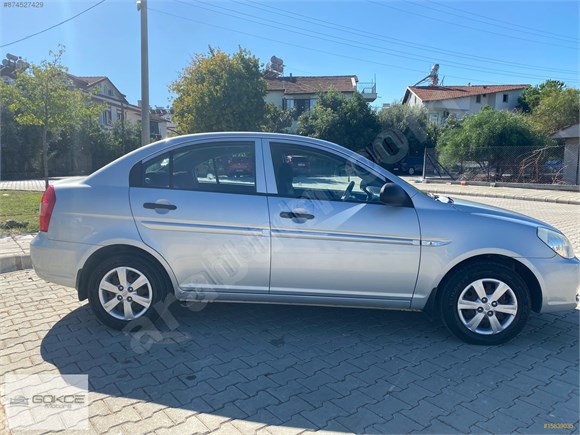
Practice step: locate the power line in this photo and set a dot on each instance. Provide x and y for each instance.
(471, 14)
(398, 41)
(468, 27)
(347, 42)
(52, 27)
(261, 37)
(535, 33)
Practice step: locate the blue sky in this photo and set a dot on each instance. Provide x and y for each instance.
(394, 42)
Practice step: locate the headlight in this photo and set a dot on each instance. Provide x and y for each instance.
(557, 242)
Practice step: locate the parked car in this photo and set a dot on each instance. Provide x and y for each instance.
(409, 165)
(144, 227)
(552, 167)
(300, 165)
(240, 166)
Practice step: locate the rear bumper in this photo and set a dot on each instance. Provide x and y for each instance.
(560, 283)
(55, 261)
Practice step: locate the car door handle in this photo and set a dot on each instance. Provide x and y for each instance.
(155, 205)
(294, 215)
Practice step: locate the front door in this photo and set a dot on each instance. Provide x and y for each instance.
(200, 207)
(330, 234)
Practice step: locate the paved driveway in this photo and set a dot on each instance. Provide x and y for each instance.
(282, 369)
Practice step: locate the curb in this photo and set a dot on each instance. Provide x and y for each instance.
(505, 196)
(15, 262)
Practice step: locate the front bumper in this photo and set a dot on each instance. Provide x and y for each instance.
(560, 282)
(56, 261)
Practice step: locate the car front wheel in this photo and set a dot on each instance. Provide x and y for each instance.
(122, 290)
(486, 303)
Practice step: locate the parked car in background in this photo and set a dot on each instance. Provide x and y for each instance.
(240, 166)
(147, 226)
(300, 165)
(409, 165)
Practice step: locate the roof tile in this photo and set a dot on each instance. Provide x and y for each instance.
(434, 93)
(312, 85)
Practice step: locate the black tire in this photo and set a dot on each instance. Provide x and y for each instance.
(411, 171)
(460, 284)
(154, 290)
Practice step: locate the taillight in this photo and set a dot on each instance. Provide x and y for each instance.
(46, 206)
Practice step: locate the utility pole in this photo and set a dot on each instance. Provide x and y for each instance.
(145, 127)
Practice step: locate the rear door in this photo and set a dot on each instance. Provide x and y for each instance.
(203, 208)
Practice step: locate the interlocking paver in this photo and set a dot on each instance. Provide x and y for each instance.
(462, 419)
(522, 411)
(275, 370)
(388, 406)
(412, 394)
(321, 396)
(499, 422)
(288, 409)
(399, 424)
(328, 411)
(261, 400)
(222, 397)
(438, 427)
(190, 426)
(424, 412)
(259, 384)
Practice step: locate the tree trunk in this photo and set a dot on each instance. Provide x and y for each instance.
(45, 155)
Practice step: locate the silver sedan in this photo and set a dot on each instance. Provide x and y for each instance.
(236, 217)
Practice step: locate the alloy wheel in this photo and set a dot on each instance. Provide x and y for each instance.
(487, 306)
(125, 293)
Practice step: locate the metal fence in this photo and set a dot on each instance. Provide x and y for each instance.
(546, 165)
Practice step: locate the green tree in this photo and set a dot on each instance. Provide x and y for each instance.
(413, 123)
(557, 109)
(20, 146)
(495, 139)
(218, 92)
(532, 96)
(43, 96)
(276, 120)
(349, 122)
(551, 105)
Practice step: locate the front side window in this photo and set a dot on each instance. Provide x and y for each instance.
(303, 172)
(224, 167)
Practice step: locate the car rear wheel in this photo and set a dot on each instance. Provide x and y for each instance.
(486, 303)
(411, 171)
(124, 289)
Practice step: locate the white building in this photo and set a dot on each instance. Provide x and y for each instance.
(300, 92)
(117, 107)
(458, 101)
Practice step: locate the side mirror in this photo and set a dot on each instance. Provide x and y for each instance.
(394, 195)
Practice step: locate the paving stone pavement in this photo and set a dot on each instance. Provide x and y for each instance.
(264, 369)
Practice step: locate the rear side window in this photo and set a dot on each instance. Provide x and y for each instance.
(223, 167)
(157, 172)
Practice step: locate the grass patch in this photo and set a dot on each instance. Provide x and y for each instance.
(19, 206)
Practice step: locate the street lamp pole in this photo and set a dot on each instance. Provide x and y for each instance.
(145, 127)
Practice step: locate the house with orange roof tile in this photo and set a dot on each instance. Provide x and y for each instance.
(300, 92)
(458, 101)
